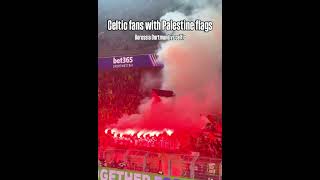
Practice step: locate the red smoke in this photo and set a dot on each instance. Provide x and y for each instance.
(192, 69)
(163, 115)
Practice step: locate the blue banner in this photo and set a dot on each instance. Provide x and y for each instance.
(137, 61)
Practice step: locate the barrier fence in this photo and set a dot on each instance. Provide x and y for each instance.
(180, 166)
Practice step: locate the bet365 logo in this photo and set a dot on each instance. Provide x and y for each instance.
(122, 60)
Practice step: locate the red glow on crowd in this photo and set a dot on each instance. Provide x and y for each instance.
(156, 140)
(138, 133)
(160, 129)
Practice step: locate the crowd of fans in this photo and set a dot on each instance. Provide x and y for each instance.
(209, 142)
(161, 143)
(120, 164)
(112, 42)
(120, 93)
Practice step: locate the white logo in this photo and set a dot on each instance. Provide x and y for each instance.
(122, 60)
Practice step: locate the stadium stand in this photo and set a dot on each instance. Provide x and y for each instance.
(113, 104)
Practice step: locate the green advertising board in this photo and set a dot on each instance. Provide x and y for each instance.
(120, 174)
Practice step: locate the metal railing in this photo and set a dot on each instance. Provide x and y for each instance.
(180, 165)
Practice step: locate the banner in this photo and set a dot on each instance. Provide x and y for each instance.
(163, 93)
(138, 61)
(120, 174)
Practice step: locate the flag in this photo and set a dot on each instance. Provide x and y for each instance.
(157, 93)
(163, 93)
(156, 98)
